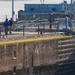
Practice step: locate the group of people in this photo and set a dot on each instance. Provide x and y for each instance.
(8, 26)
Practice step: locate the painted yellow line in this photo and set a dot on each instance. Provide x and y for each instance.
(35, 40)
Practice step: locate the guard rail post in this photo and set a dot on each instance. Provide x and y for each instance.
(23, 30)
(58, 26)
(38, 29)
(44, 28)
(0, 32)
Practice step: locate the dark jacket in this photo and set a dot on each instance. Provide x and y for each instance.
(10, 22)
(6, 23)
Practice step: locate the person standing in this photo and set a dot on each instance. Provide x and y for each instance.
(10, 26)
(50, 19)
(6, 24)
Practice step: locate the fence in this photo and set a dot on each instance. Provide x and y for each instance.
(43, 25)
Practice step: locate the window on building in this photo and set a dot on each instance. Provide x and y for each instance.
(53, 9)
(15, 54)
(14, 70)
(32, 9)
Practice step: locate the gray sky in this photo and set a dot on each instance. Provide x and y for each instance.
(47, 1)
(38, 1)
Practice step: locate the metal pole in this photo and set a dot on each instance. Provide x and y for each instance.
(6, 17)
(38, 29)
(44, 28)
(13, 10)
(23, 30)
(0, 32)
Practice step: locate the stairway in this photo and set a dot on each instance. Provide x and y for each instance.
(66, 57)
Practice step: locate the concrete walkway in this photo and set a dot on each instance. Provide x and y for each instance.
(19, 35)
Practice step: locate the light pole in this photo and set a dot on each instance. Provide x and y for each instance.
(13, 10)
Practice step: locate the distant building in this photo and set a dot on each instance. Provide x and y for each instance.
(32, 11)
(42, 7)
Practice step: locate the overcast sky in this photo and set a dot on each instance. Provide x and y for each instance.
(47, 1)
(38, 1)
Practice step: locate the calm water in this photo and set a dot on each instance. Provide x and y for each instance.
(6, 8)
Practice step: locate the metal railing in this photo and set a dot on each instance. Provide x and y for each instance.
(38, 25)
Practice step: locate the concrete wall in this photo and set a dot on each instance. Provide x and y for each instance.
(7, 61)
(28, 55)
(55, 57)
